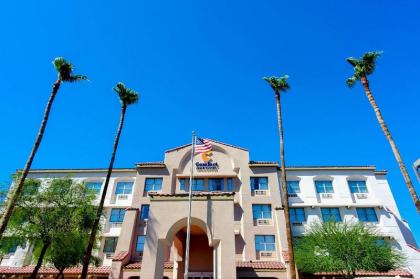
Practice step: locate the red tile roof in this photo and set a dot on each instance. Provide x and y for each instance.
(120, 256)
(137, 265)
(195, 194)
(398, 272)
(261, 265)
(151, 164)
(102, 270)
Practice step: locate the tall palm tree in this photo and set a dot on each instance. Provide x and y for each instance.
(279, 84)
(362, 68)
(127, 97)
(65, 74)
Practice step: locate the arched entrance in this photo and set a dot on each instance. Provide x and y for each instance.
(201, 254)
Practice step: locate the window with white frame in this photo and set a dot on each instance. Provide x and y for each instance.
(367, 214)
(153, 184)
(261, 211)
(124, 188)
(94, 186)
(110, 244)
(259, 183)
(358, 186)
(324, 186)
(140, 243)
(297, 214)
(215, 184)
(293, 187)
(265, 243)
(117, 215)
(331, 214)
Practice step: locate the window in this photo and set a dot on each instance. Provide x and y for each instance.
(265, 243)
(198, 185)
(358, 186)
(297, 214)
(324, 186)
(124, 188)
(259, 183)
(261, 211)
(94, 186)
(229, 184)
(144, 215)
(153, 184)
(117, 215)
(110, 244)
(182, 184)
(331, 214)
(293, 187)
(367, 214)
(140, 243)
(216, 184)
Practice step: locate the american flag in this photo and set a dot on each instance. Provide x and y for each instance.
(202, 145)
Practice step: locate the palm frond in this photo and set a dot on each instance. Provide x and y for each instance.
(278, 84)
(65, 70)
(351, 81)
(353, 61)
(127, 96)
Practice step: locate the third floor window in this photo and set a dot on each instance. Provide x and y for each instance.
(265, 243)
(94, 186)
(293, 187)
(259, 183)
(324, 186)
(331, 214)
(144, 213)
(297, 214)
(124, 188)
(367, 214)
(358, 186)
(117, 215)
(153, 184)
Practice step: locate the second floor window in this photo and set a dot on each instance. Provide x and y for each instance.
(331, 214)
(140, 243)
(297, 215)
(324, 186)
(293, 187)
(124, 188)
(229, 184)
(110, 244)
(182, 184)
(358, 186)
(94, 186)
(117, 215)
(261, 211)
(198, 185)
(153, 184)
(265, 243)
(259, 183)
(367, 214)
(144, 214)
(216, 184)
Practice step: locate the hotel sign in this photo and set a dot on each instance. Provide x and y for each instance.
(210, 165)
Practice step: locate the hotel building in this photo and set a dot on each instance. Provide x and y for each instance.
(238, 220)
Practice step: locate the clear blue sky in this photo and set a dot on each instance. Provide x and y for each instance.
(198, 66)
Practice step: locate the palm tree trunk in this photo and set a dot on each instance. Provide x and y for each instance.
(395, 150)
(292, 268)
(88, 254)
(40, 259)
(15, 193)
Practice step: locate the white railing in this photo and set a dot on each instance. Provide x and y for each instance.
(261, 192)
(266, 254)
(361, 196)
(326, 195)
(115, 224)
(122, 197)
(292, 195)
(263, 222)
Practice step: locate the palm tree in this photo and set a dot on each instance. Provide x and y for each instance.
(279, 84)
(362, 68)
(127, 97)
(65, 74)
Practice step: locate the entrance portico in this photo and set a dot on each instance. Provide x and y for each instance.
(212, 222)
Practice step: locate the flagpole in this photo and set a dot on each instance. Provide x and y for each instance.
(187, 249)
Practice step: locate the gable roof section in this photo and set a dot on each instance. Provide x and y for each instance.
(215, 141)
